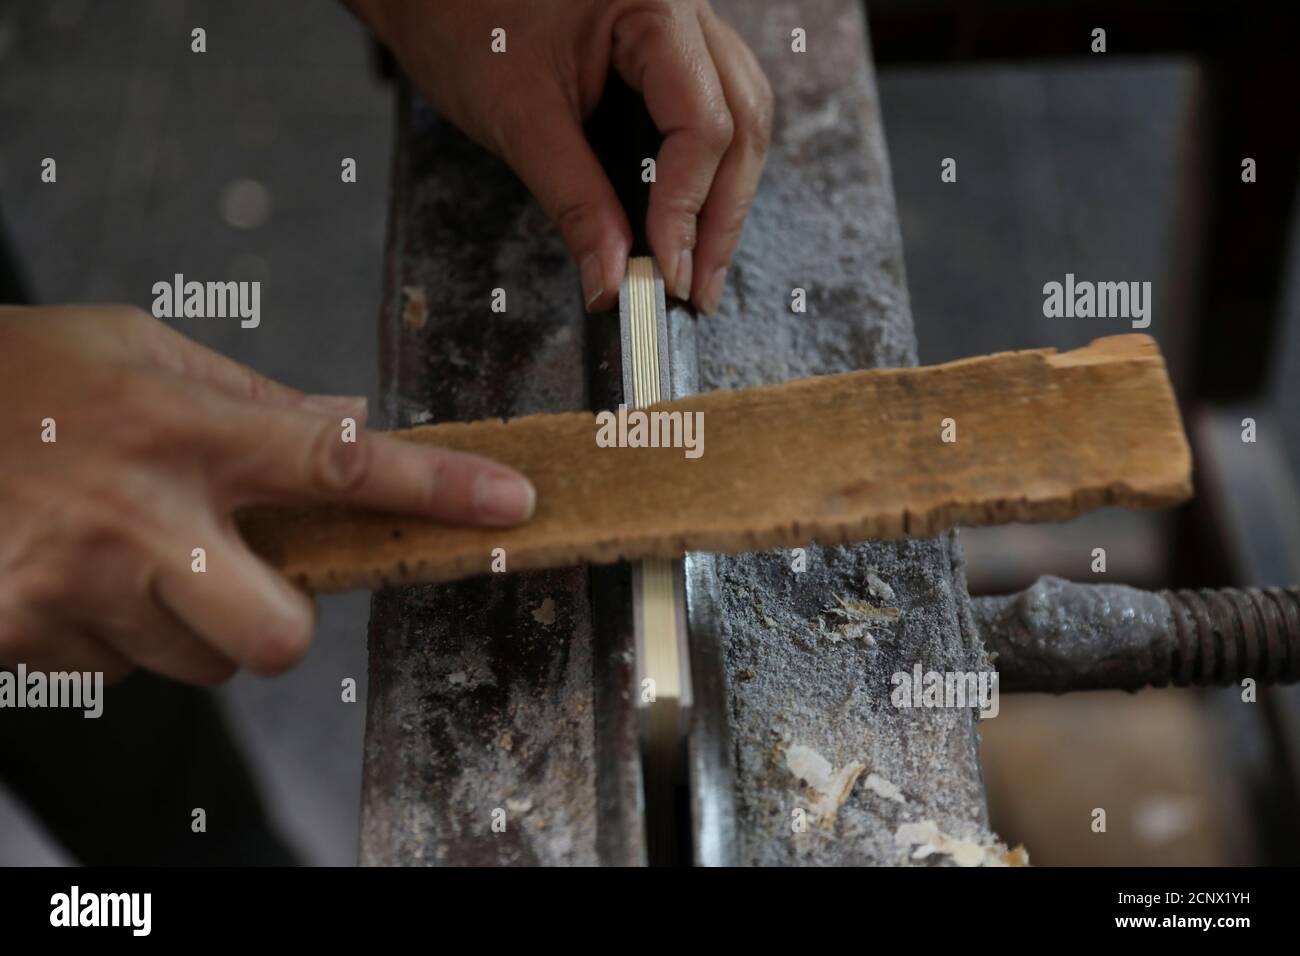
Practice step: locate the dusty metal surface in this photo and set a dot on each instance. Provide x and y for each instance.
(481, 693)
(710, 755)
(486, 695)
(824, 221)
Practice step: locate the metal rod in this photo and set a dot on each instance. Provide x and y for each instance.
(1058, 636)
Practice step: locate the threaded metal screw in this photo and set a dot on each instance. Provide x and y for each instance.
(1225, 634)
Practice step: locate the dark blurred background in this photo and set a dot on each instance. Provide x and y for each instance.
(1108, 166)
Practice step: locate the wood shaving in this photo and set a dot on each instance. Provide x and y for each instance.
(415, 313)
(929, 840)
(862, 611)
(857, 617)
(1016, 856)
(878, 589)
(878, 784)
(847, 631)
(829, 787)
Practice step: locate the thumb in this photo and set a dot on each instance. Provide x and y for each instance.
(550, 153)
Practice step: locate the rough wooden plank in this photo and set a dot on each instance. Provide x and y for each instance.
(828, 459)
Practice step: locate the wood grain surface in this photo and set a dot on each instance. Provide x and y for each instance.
(1040, 436)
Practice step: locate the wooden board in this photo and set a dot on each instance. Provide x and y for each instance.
(1039, 436)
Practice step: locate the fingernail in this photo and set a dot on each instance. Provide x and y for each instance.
(335, 404)
(713, 293)
(592, 284)
(683, 282)
(504, 499)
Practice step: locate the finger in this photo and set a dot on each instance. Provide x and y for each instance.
(159, 642)
(244, 610)
(550, 154)
(118, 607)
(62, 647)
(284, 456)
(667, 59)
(723, 217)
(173, 352)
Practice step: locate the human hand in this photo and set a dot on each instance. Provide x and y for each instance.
(702, 85)
(157, 441)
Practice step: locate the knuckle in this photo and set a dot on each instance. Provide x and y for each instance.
(150, 412)
(640, 19)
(338, 466)
(571, 213)
(717, 130)
(110, 522)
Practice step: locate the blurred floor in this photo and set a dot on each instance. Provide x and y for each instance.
(1051, 763)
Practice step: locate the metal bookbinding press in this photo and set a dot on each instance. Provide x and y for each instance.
(683, 749)
(663, 676)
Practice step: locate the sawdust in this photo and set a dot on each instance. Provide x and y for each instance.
(828, 787)
(849, 632)
(929, 841)
(858, 617)
(862, 611)
(879, 785)
(835, 698)
(415, 308)
(1016, 856)
(877, 588)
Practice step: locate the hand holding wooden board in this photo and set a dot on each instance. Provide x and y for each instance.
(1016, 436)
